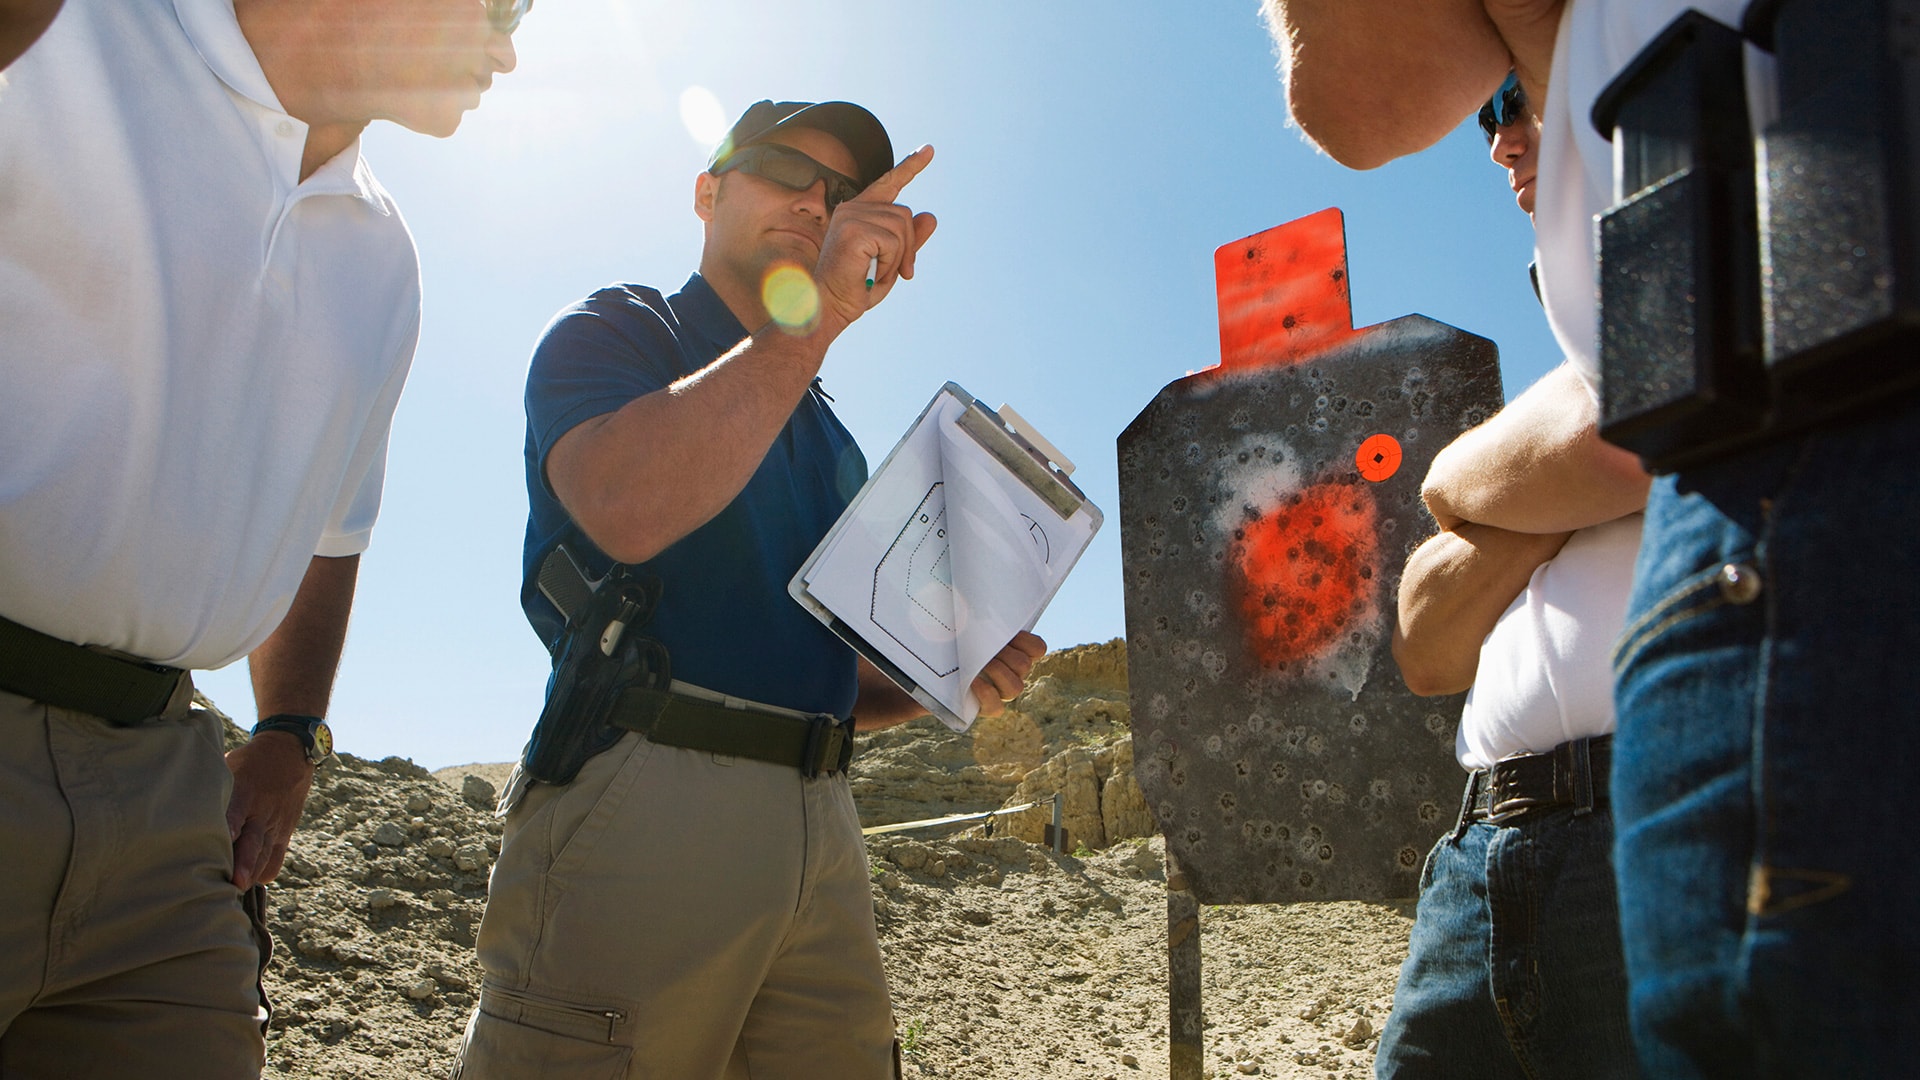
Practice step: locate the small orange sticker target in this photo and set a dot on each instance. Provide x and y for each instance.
(1378, 457)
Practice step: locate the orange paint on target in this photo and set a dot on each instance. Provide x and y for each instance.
(1378, 457)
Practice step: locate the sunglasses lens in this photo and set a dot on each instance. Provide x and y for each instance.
(786, 168)
(1508, 105)
(792, 169)
(506, 14)
(839, 191)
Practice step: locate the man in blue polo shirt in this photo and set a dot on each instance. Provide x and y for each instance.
(673, 910)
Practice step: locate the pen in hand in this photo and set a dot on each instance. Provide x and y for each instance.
(873, 270)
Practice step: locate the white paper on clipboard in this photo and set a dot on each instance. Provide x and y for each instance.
(956, 542)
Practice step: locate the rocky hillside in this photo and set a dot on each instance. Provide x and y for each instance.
(1007, 959)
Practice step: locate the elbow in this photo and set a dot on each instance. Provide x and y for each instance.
(630, 547)
(1425, 683)
(623, 537)
(1347, 139)
(1424, 676)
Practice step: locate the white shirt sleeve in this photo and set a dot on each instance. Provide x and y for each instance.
(350, 525)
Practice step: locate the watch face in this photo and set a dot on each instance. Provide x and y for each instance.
(322, 741)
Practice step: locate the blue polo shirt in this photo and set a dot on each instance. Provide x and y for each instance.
(724, 616)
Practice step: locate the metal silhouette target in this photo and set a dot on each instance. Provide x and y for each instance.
(1266, 509)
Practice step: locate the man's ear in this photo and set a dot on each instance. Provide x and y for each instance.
(705, 187)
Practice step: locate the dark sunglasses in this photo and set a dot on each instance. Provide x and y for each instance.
(505, 15)
(791, 169)
(1508, 106)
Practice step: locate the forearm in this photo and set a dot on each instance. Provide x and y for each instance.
(293, 669)
(292, 673)
(1454, 589)
(881, 704)
(638, 479)
(1539, 466)
(1373, 80)
(21, 24)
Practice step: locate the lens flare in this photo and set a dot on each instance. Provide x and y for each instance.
(702, 115)
(791, 297)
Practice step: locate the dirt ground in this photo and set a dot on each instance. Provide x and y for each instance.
(1007, 960)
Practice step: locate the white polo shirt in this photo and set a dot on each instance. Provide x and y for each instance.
(1546, 671)
(1596, 41)
(199, 354)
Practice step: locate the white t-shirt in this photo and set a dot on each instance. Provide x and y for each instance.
(1597, 38)
(201, 354)
(1545, 674)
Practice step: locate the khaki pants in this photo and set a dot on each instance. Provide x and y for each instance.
(680, 915)
(124, 951)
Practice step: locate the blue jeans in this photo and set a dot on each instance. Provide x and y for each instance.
(1514, 966)
(1768, 725)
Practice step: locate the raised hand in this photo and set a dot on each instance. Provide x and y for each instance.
(872, 226)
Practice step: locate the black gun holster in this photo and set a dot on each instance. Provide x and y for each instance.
(600, 654)
(1742, 303)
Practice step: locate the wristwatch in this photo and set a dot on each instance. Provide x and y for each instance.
(312, 732)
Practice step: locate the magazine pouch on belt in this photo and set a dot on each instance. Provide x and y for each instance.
(1747, 295)
(1678, 276)
(601, 653)
(1840, 203)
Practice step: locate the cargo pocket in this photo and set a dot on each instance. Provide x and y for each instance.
(517, 1035)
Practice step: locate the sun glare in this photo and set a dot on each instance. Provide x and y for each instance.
(702, 114)
(791, 297)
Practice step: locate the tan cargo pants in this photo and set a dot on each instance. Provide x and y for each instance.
(680, 915)
(124, 951)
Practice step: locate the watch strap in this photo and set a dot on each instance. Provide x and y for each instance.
(300, 727)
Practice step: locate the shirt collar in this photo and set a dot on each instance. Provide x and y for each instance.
(215, 32)
(700, 309)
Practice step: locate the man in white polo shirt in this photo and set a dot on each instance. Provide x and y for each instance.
(209, 306)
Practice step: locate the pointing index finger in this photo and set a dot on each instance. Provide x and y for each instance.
(894, 180)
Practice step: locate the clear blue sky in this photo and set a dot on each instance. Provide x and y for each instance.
(1090, 157)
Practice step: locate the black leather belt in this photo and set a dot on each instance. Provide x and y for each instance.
(815, 745)
(1573, 774)
(59, 673)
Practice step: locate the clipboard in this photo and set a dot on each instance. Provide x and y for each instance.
(956, 542)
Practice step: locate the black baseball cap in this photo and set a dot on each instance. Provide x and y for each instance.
(854, 126)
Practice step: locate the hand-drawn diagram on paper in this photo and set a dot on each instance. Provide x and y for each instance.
(955, 544)
(913, 584)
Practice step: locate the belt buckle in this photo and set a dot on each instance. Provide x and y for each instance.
(1507, 810)
(828, 740)
(1501, 806)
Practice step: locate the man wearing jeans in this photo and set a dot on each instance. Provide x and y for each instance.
(208, 306)
(1514, 967)
(1765, 680)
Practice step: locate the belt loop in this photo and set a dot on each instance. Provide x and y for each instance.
(1466, 805)
(828, 741)
(847, 730)
(1580, 762)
